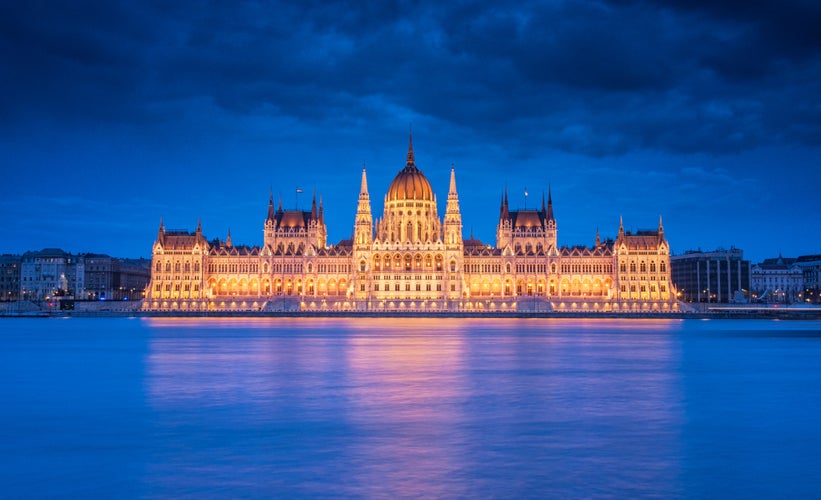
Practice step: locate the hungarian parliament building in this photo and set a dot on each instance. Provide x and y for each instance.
(410, 260)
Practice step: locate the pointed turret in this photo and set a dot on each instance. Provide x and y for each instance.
(363, 186)
(314, 214)
(549, 204)
(228, 239)
(621, 227)
(271, 206)
(363, 226)
(453, 216)
(504, 213)
(321, 211)
(161, 232)
(598, 238)
(199, 227)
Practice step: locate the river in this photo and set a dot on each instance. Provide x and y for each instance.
(409, 407)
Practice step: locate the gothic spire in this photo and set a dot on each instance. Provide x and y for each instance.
(549, 204)
(314, 213)
(271, 205)
(363, 188)
(621, 227)
(228, 239)
(321, 211)
(452, 189)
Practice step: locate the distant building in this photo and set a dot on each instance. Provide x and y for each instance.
(811, 268)
(717, 276)
(111, 278)
(51, 273)
(777, 280)
(411, 259)
(9, 277)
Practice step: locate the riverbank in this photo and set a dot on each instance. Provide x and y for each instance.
(722, 313)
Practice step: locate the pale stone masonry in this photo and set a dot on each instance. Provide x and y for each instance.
(410, 259)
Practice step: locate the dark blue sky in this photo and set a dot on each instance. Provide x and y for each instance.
(113, 115)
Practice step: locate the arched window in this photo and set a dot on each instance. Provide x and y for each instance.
(652, 267)
(507, 267)
(168, 267)
(553, 268)
(362, 265)
(158, 267)
(453, 266)
(663, 267)
(643, 267)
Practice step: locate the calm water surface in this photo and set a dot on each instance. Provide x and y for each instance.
(409, 407)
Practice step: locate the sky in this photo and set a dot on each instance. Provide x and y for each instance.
(114, 115)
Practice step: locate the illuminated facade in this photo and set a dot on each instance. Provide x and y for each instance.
(410, 259)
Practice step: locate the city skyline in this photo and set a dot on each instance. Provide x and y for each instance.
(113, 116)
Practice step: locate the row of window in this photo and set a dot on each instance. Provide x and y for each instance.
(417, 277)
(418, 287)
(185, 287)
(585, 268)
(642, 267)
(643, 288)
(178, 267)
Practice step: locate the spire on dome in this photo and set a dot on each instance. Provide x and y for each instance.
(411, 161)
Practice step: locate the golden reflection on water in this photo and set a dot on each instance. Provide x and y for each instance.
(427, 406)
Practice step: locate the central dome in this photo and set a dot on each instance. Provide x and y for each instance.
(410, 183)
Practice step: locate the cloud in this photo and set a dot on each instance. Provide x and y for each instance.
(596, 78)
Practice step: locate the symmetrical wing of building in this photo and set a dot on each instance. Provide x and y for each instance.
(410, 259)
